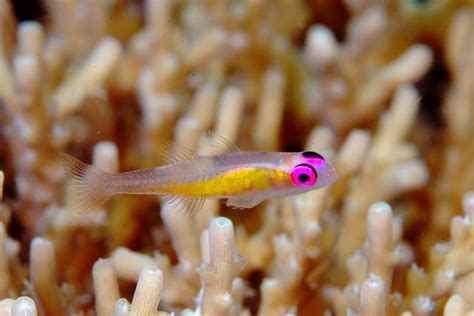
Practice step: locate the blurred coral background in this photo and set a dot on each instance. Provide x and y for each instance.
(384, 89)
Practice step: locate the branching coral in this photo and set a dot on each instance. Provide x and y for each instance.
(43, 277)
(382, 258)
(383, 89)
(21, 306)
(221, 266)
(106, 287)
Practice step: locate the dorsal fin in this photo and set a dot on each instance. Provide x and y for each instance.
(222, 143)
(171, 152)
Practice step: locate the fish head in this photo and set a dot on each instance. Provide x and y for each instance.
(309, 170)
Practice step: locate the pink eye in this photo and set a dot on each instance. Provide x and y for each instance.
(304, 175)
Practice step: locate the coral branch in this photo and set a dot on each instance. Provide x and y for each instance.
(230, 113)
(270, 110)
(373, 300)
(30, 39)
(4, 272)
(380, 243)
(223, 266)
(6, 306)
(204, 48)
(69, 96)
(121, 308)
(148, 292)
(456, 306)
(43, 277)
(106, 289)
(127, 264)
(2, 180)
(24, 306)
(203, 106)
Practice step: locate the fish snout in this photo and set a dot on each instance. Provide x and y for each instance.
(329, 174)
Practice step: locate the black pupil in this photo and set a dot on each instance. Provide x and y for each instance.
(303, 178)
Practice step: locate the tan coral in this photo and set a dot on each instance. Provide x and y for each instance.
(382, 89)
(221, 265)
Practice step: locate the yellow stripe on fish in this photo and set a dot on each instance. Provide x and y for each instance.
(239, 181)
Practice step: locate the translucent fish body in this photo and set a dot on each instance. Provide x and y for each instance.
(243, 178)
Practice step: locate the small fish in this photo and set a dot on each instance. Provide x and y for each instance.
(245, 179)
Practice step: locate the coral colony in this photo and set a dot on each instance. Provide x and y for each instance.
(383, 90)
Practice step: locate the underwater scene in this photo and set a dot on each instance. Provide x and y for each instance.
(237, 157)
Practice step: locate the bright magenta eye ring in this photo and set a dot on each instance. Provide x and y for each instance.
(304, 175)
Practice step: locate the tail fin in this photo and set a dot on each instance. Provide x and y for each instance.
(87, 189)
